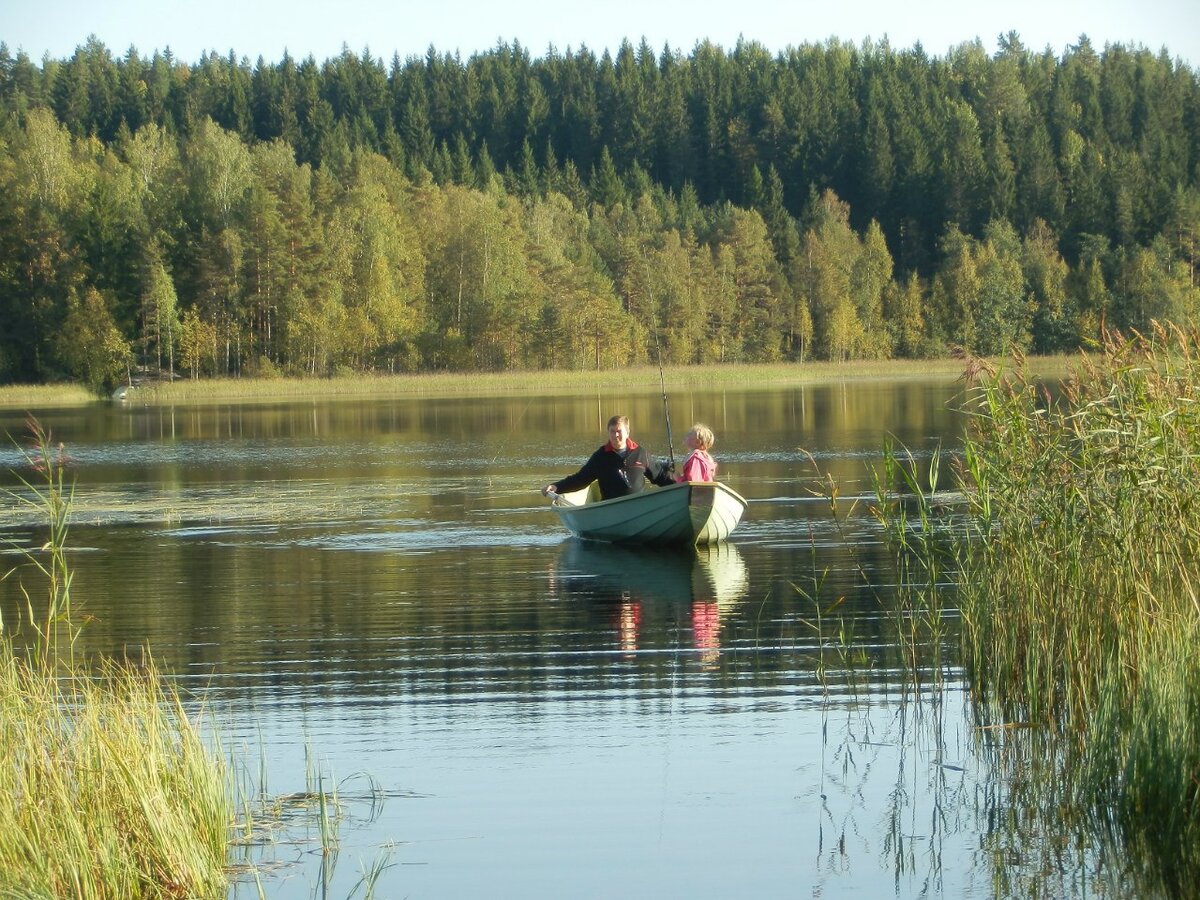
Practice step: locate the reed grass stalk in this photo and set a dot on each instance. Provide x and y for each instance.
(50, 498)
(906, 505)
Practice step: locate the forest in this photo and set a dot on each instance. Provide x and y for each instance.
(571, 210)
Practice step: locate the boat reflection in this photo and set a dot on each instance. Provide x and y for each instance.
(694, 586)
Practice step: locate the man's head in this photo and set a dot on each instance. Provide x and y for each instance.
(618, 432)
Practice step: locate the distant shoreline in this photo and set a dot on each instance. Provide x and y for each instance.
(490, 384)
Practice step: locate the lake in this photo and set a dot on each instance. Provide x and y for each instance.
(377, 591)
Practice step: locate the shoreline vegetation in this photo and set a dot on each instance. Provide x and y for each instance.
(1072, 563)
(486, 384)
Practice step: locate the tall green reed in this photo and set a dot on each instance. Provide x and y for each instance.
(111, 787)
(1067, 537)
(1087, 525)
(908, 504)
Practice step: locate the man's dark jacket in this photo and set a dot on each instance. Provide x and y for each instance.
(618, 473)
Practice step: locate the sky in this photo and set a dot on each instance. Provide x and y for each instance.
(266, 28)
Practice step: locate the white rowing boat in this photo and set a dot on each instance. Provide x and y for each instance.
(692, 512)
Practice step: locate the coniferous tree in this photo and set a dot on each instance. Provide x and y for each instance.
(607, 187)
(1089, 291)
(831, 250)
(485, 169)
(132, 110)
(462, 171)
(755, 284)
(442, 167)
(527, 176)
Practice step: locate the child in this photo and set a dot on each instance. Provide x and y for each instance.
(699, 466)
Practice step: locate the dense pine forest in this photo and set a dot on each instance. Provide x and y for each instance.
(570, 210)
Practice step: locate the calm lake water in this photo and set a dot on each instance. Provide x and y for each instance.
(377, 591)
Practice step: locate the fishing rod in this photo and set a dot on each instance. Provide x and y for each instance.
(662, 381)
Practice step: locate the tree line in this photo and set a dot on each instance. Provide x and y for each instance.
(829, 201)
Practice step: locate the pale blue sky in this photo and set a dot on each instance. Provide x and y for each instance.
(266, 27)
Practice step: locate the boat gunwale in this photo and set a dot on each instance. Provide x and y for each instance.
(559, 502)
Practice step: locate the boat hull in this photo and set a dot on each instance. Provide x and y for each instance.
(693, 512)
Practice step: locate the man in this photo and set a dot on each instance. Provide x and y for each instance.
(620, 467)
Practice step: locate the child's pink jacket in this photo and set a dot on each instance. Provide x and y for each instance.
(699, 466)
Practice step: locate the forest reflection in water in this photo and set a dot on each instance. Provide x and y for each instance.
(380, 586)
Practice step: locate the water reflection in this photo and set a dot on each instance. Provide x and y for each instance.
(699, 585)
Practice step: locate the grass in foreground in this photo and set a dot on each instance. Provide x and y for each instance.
(1081, 595)
(108, 789)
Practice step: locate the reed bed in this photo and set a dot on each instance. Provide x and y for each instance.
(44, 396)
(1086, 506)
(483, 384)
(108, 788)
(1074, 554)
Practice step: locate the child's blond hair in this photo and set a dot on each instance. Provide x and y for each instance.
(704, 435)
